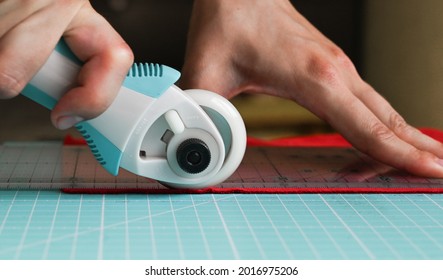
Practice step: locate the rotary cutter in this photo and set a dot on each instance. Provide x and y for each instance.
(181, 138)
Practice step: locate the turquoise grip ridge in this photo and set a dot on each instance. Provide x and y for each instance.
(104, 151)
(151, 79)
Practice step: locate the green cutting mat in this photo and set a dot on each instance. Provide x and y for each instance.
(54, 225)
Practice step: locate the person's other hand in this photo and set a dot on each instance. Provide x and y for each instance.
(29, 31)
(267, 47)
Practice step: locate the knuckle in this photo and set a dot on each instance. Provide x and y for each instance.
(340, 57)
(121, 54)
(398, 124)
(381, 133)
(10, 84)
(323, 69)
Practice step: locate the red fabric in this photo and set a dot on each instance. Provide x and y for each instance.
(321, 140)
(386, 190)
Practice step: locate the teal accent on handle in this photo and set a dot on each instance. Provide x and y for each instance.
(146, 78)
(151, 79)
(39, 96)
(106, 153)
(64, 50)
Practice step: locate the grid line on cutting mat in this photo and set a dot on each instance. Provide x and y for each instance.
(37, 221)
(54, 225)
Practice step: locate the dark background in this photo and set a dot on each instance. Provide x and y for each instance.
(156, 30)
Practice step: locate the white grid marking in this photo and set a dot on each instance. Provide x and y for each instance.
(305, 237)
(151, 228)
(329, 236)
(2, 226)
(417, 249)
(127, 243)
(77, 226)
(26, 229)
(176, 230)
(202, 232)
(413, 222)
(274, 228)
(283, 203)
(102, 230)
(226, 229)
(385, 242)
(254, 236)
(51, 230)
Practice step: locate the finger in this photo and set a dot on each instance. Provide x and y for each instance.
(26, 47)
(392, 119)
(368, 134)
(107, 59)
(14, 12)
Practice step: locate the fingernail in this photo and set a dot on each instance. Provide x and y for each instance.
(440, 161)
(66, 122)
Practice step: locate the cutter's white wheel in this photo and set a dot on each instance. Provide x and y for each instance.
(231, 126)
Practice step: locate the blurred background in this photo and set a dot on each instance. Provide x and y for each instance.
(397, 48)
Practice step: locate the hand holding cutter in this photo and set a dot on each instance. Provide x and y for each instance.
(190, 139)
